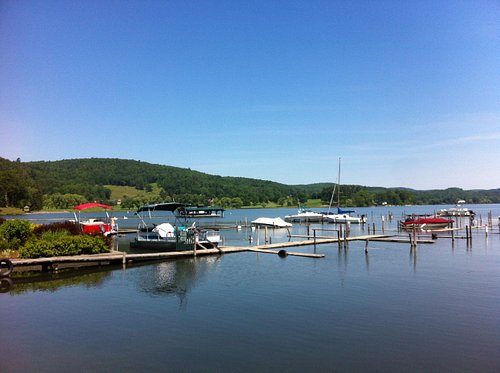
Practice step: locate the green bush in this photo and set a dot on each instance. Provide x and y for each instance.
(18, 229)
(62, 244)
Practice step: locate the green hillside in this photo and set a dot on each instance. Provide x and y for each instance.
(65, 183)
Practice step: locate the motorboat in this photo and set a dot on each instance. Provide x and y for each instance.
(200, 212)
(426, 223)
(456, 211)
(168, 237)
(343, 217)
(271, 222)
(106, 226)
(305, 216)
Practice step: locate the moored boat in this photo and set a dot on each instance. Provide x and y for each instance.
(271, 222)
(106, 226)
(168, 237)
(200, 212)
(305, 216)
(426, 223)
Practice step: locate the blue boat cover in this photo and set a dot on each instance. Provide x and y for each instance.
(340, 211)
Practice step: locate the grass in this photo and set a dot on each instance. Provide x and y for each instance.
(120, 192)
(10, 211)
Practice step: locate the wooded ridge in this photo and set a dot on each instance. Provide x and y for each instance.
(65, 183)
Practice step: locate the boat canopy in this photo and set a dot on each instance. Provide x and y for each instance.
(90, 205)
(340, 211)
(170, 206)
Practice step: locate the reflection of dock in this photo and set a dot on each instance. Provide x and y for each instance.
(117, 257)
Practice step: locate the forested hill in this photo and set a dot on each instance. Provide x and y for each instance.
(69, 176)
(62, 184)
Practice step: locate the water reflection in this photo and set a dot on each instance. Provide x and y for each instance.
(177, 277)
(23, 282)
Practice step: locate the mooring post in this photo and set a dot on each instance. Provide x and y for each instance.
(194, 242)
(366, 246)
(314, 233)
(467, 233)
(338, 238)
(373, 227)
(383, 230)
(265, 234)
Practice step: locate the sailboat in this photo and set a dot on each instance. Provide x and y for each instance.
(342, 216)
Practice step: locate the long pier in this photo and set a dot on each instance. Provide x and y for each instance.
(118, 257)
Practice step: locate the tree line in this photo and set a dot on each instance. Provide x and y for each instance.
(66, 183)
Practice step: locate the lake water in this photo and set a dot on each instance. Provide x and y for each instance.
(433, 309)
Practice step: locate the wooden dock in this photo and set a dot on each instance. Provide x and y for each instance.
(117, 257)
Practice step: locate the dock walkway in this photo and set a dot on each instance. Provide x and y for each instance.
(118, 257)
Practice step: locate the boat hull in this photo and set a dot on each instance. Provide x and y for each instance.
(426, 223)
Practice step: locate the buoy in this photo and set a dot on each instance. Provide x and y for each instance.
(282, 253)
(6, 267)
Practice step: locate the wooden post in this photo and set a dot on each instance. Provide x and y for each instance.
(194, 242)
(366, 246)
(373, 227)
(338, 238)
(265, 234)
(383, 228)
(314, 232)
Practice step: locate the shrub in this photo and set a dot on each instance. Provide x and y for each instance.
(62, 244)
(70, 227)
(15, 229)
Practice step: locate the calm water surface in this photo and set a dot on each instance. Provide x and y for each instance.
(432, 310)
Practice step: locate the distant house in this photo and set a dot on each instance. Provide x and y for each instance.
(26, 209)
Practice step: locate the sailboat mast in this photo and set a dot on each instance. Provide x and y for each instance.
(338, 187)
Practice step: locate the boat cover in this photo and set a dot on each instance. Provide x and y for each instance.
(170, 206)
(90, 205)
(340, 211)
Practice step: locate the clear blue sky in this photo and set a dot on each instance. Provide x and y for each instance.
(406, 92)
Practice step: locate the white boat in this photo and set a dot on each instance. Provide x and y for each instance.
(305, 216)
(342, 216)
(345, 218)
(458, 210)
(271, 222)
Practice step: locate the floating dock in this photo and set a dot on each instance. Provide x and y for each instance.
(118, 257)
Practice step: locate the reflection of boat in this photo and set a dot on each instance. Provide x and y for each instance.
(426, 223)
(105, 226)
(271, 222)
(199, 212)
(168, 237)
(305, 216)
